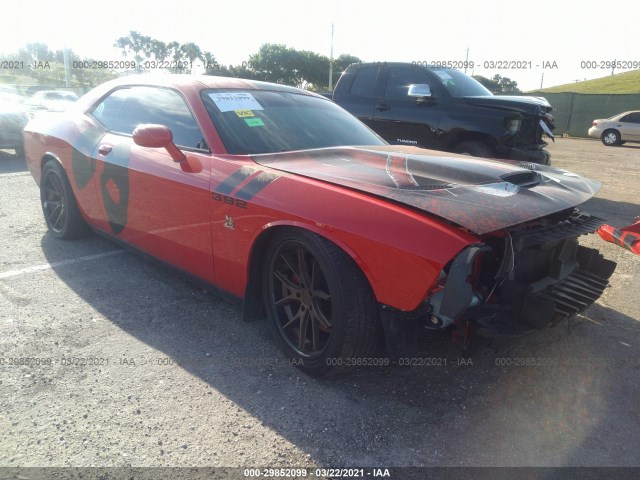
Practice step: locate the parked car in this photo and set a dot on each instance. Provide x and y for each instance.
(617, 130)
(13, 118)
(444, 109)
(51, 101)
(282, 200)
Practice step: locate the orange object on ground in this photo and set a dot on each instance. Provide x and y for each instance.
(627, 237)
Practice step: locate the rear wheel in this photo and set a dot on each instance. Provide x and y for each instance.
(610, 137)
(320, 306)
(59, 204)
(475, 149)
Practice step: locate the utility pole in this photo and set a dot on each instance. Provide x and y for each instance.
(67, 69)
(331, 62)
(466, 62)
(541, 80)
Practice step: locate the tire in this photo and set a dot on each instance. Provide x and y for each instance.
(610, 138)
(475, 149)
(59, 204)
(19, 151)
(320, 307)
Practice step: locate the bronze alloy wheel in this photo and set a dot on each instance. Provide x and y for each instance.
(320, 305)
(300, 294)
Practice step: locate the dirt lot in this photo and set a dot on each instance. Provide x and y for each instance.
(128, 365)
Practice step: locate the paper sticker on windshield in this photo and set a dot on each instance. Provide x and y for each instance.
(229, 101)
(444, 76)
(254, 122)
(245, 113)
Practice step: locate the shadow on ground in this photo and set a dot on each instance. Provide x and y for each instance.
(567, 406)
(11, 163)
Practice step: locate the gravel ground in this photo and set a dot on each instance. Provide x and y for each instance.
(129, 365)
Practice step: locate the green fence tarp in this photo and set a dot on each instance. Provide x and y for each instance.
(574, 112)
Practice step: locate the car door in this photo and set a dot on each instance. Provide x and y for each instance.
(149, 200)
(401, 119)
(630, 127)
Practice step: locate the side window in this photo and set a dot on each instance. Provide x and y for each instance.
(626, 118)
(365, 82)
(634, 117)
(399, 79)
(126, 108)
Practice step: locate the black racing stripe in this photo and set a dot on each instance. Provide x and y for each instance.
(624, 239)
(235, 179)
(255, 185)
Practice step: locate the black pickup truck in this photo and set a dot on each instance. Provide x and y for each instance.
(444, 109)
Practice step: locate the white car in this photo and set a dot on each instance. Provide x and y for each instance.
(616, 130)
(50, 101)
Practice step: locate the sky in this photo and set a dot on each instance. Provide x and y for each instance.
(526, 35)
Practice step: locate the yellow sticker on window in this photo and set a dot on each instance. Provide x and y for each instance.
(244, 113)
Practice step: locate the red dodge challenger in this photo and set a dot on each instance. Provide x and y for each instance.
(283, 200)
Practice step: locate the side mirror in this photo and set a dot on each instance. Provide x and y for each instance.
(419, 90)
(157, 136)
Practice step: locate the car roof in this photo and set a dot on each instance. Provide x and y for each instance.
(399, 64)
(184, 83)
(179, 81)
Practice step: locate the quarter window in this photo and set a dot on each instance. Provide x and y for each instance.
(126, 108)
(365, 82)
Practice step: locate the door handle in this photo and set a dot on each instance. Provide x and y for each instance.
(382, 106)
(105, 149)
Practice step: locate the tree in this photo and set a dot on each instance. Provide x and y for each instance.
(36, 52)
(277, 63)
(159, 50)
(304, 69)
(506, 84)
(192, 52)
(498, 84)
(136, 45)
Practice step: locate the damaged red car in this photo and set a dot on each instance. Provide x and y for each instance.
(279, 198)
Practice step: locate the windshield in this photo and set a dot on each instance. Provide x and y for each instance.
(458, 84)
(256, 121)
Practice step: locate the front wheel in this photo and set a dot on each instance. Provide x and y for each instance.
(610, 138)
(59, 204)
(320, 306)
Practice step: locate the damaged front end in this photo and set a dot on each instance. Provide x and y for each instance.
(527, 143)
(517, 280)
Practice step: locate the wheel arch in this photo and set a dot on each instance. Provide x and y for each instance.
(460, 136)
(46, 157)
(253, 308)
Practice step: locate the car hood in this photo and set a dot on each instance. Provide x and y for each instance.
(481, 195)
(533, 105)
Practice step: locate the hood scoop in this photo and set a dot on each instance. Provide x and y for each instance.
(525, 179)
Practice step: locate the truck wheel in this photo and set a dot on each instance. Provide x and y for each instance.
(475, 149)
(59, 204)
(610, 138)
(320, 306)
